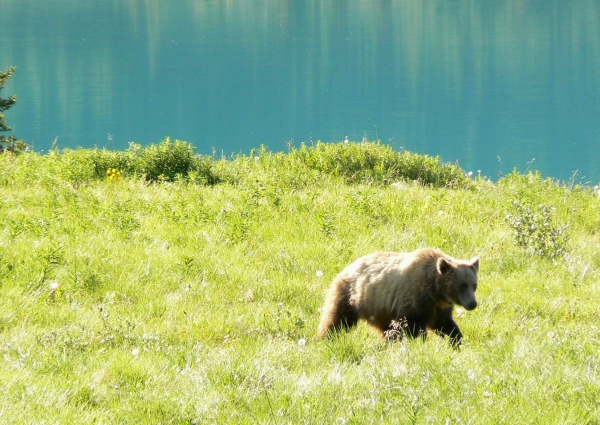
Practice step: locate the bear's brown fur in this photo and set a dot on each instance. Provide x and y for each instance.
(417, 290)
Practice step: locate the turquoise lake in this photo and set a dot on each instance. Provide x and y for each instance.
(493, 85)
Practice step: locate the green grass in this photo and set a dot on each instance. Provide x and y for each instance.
(189, 293)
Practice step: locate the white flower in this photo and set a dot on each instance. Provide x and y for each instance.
(319, 273)
(54, 285)
(135, 351)
(302, 342)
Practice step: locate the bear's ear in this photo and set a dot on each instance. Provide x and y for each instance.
(443, 265)
(475, 263)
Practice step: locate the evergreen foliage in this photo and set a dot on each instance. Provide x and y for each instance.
(10, 142)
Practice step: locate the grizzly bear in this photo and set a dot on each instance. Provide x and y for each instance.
(413, 291)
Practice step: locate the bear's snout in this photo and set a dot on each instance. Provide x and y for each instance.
(471, 305)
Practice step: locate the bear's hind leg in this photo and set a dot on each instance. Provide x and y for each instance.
(343, 318)
(337, 314)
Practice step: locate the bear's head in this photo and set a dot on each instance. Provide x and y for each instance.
(460, 278)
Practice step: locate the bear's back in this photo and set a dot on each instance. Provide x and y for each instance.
(388, 282)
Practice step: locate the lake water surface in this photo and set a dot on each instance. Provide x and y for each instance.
(491, 84)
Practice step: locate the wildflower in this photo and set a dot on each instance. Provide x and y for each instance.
(302, 342)
(135, 351)
(471, 374)
(54, 285)
(319, 273)
(113, 174)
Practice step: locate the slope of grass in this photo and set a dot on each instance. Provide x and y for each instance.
(194, 297)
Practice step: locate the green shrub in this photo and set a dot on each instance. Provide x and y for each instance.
(534, 229)
(166, 161)
(354, 163)
(374, 162)
(20, 169)
(365, 163)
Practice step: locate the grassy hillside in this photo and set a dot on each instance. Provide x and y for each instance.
(155, 286)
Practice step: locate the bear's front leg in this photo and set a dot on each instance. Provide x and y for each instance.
(447, 326)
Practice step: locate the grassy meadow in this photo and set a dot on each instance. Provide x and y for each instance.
(156, 286)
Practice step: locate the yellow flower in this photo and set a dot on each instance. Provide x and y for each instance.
(113, 174)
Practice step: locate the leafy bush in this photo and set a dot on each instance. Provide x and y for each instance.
(535, 230)
(175, 160)
(374, 162)
(80, 165)
(275, 169)
(353, 162)
(167, 161)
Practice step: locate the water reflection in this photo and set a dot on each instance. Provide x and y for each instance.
(467, 80)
